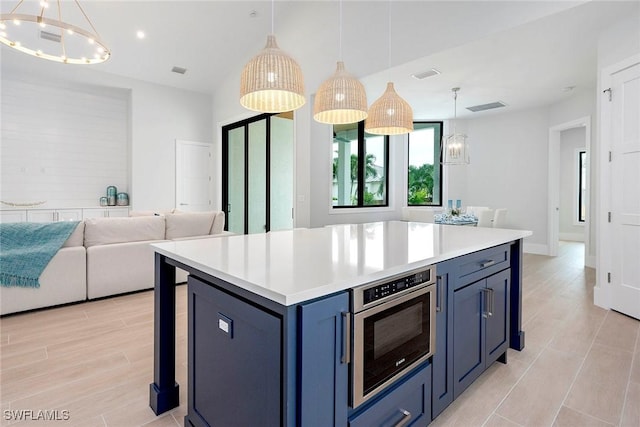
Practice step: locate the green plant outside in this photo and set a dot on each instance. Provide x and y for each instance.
(420, 185)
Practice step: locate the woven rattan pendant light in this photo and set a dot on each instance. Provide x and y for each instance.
(272, 81)
(341, 98)
(389, 114)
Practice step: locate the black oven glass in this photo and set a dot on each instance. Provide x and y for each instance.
(395, 338)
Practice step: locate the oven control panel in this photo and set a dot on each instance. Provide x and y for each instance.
(378, 291)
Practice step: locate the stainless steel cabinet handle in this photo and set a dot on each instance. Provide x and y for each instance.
(485, 303)
(184, 204)
(346, 333)
(406, 416)
(485, 264)
(439, 293)
(491, 301)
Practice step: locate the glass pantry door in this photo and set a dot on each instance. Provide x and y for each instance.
(258, 174)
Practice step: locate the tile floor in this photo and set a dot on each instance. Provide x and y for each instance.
(580, 367)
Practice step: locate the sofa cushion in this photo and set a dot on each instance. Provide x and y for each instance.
(189, 224)
(104, 231)
(76, 238)
(148, 213)
(218, 223)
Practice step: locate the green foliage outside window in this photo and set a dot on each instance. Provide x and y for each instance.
(420, 184)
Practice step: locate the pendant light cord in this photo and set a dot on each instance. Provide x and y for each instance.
(272, 16)
(389, 41)
(340, 31)
(455, 108)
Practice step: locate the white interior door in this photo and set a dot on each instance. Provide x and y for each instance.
(625, 193)
(193, 176)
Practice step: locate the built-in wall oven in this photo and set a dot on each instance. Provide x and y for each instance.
(393, 330)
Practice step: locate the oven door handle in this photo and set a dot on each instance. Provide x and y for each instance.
(406, 417)
(346, 338)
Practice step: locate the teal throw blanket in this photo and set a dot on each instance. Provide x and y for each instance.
(26, 249)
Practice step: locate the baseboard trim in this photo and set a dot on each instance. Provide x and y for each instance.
(572, 237)
(601, 296)
(535, 248)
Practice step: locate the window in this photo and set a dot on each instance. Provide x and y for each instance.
(425, 168)
(359, 157)
(582, 186)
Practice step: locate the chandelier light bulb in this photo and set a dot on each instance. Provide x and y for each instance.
(455, 146)
(38, 43)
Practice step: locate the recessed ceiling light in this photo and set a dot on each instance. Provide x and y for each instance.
(140, 34)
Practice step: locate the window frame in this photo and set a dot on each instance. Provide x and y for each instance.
(582, 164)
(438, 161)
(361, 173)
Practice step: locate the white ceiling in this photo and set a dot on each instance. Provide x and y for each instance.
(520, 52)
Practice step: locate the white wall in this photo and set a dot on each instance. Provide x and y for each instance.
(159, 116)
(62, 145)
(508, 169)
(571, 142)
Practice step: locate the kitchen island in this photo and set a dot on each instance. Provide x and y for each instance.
(288, 354)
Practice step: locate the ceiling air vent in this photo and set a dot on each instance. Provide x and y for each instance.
(50, 36)
(425, 74)
(179, 70)
(485, 107)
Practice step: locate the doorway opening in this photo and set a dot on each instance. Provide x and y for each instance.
(569, 186)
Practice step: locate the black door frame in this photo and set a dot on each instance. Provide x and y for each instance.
(225, 168)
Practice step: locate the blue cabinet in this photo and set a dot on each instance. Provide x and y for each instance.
(442, 360)
(480, 327)
(323, 362)
(408, 404)
(234, 360)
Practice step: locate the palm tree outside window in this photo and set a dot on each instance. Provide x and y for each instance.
(359, 158)
(424, 180)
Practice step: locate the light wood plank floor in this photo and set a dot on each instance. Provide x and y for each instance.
(93, 361)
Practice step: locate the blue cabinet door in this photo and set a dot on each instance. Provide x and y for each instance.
(323, 362)
(497, 328)
(406, 405)
(468, 336)
(234, 351)
(480, 327)
(442, 361)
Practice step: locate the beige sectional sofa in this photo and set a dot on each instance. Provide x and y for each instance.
(109, 256)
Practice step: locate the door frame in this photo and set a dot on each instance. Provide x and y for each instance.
(553, 193)
(604, 262)
(225, 167)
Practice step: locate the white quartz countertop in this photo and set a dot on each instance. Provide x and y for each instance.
(293, 266)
